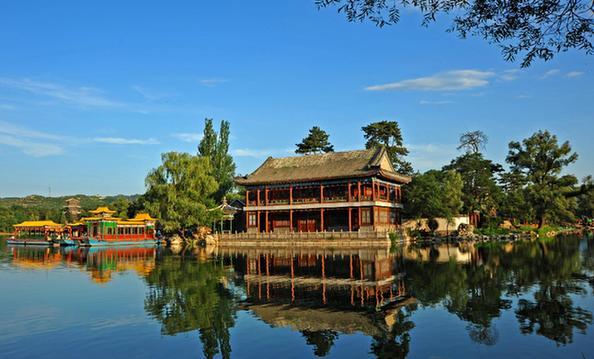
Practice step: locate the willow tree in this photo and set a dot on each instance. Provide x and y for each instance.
(180, 191)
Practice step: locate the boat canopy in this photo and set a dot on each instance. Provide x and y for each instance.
(38, 224)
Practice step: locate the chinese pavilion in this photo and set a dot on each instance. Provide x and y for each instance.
(336, 191)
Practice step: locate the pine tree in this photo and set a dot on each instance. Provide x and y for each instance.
(317, 141)
(539, 161)
(388, 135)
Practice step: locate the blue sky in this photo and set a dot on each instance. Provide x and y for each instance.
(92, 93)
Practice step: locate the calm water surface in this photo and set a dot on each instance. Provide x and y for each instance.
(524, 299)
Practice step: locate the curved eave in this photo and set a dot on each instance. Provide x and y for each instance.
(243, 181)
(395, 176)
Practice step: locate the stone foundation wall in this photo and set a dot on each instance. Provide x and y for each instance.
(307, 239)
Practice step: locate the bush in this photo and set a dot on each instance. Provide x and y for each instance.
(492, 231)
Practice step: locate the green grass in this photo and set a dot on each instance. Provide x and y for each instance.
(492, 231)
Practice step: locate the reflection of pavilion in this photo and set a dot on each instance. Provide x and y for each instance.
(36, 257)
(345, 291)
(100, 262)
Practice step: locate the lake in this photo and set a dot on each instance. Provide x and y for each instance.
(491, 300)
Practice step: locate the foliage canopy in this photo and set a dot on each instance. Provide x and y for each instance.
(179, 192)
(538, 162)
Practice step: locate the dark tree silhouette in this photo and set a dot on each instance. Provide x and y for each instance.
(473, 141)
(532, 29)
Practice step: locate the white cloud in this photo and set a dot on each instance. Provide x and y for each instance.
(439, 102)
(430, 156)
(188, 136)
(28, 140)
(213, 82)
(550, 73)
(32, 148)
(150, 94)
(7, 128)
(4, 106)
(126, 141)
(509, 75)
(80, 96)
(445, 81)
(574, 74)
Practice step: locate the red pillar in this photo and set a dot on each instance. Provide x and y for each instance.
(321, 220)
(290, 220)
(266, 222)
(247, 198)
(258, 220)
(350, 219)
(359, 214)
(257, 197)
(290, 194)
(359, 191)
(349, 192)
(247, 220)
(266, 196)
(321, 194)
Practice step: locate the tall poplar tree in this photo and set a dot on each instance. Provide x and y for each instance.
(215, 147)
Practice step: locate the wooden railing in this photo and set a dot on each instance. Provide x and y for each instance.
(334, 199)
(328, 235)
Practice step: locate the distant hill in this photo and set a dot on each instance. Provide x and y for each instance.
(86, 202)
(15, 210)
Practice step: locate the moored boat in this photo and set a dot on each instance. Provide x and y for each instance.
(37, 233)
(103, 229)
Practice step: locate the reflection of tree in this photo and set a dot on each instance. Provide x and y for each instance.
(395, 343)
(487, 335)
(552, 315)
(322, 340)
(481, 303)
(185, 295)
(476, 293)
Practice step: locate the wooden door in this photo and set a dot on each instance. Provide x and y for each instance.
(306, 225)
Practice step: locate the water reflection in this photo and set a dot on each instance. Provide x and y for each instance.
(187, 293)
(326, 295)
(100, 263)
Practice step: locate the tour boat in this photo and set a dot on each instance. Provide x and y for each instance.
(105, 230)
(37, 233)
